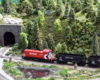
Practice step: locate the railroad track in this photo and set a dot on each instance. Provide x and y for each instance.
(3, 49)
(2, 77)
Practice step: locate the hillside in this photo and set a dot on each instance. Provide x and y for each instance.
(71, 23)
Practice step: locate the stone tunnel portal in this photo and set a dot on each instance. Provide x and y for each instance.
(9, 38)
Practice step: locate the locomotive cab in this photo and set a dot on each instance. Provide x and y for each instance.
(48, 54)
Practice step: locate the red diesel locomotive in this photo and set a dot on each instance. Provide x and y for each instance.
(46, 54)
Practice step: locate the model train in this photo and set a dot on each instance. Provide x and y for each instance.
(47, 55)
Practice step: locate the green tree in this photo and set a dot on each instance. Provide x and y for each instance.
(22, 34)
(90, 10)
(68, 35)
(45, 3)
(71, 16)
(58, 26)
(58, 47)
(45, 45)
(36, 41)
(77, 6)
(64, 48)
(86, 3)
(30, 27)
(20, 6)
(24, 45)
(59, 2)
(93, 16)
(34, 3)
(28, 7)
(98, 15)
(95, 44)
(7, 8)
(66, 13)
(95, 2)
(58, 10)
(50, 41)
(52, 5)
(40, 18)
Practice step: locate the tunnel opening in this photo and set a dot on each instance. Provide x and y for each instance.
(9, 39)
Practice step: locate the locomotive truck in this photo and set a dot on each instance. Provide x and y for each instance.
(46, 54)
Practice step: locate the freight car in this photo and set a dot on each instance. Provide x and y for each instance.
(46, 54)
(74, 58)
(94, 60)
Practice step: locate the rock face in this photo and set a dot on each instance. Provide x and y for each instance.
(11, 20)
(1, 17)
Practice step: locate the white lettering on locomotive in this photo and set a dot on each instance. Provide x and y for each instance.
(32, 53)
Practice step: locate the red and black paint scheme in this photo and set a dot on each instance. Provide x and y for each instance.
(46, 54)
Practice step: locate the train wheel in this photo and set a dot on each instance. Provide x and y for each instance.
(81, 63)
(89, 64)
(58, 62)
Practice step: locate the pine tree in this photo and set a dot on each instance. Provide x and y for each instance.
(85, 5)
(58, 10)
(64, 48)
(51, 5)
(24, 46)
(34, 3)
(28, 8)
(45, 45)
(77, 6)
(36, 41)
(40, 18)
(95, 2)
(66, 14)
(20, 6)
(30, 27)
(98, 15)
(59, 2)
(95, 44)
(50, 41)
(71, 16)
(68, 35)
(45, 3)
(89, 11)
(93, 16)
(7, 8)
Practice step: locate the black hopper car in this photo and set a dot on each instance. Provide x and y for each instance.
(94, 60)
(77, 58)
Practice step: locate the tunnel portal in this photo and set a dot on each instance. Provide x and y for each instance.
(9, 39)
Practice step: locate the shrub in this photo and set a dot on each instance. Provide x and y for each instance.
(8, 65)
(51, 78)
(5, 60)
(15, 47)
(58, 48)
(16, 71)
(44, 66)
(63, 72)
(1, 10)
(22, 34)
(10, 52)
(40, 18)
(53, 66)
(58, 26)
(51, 5)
